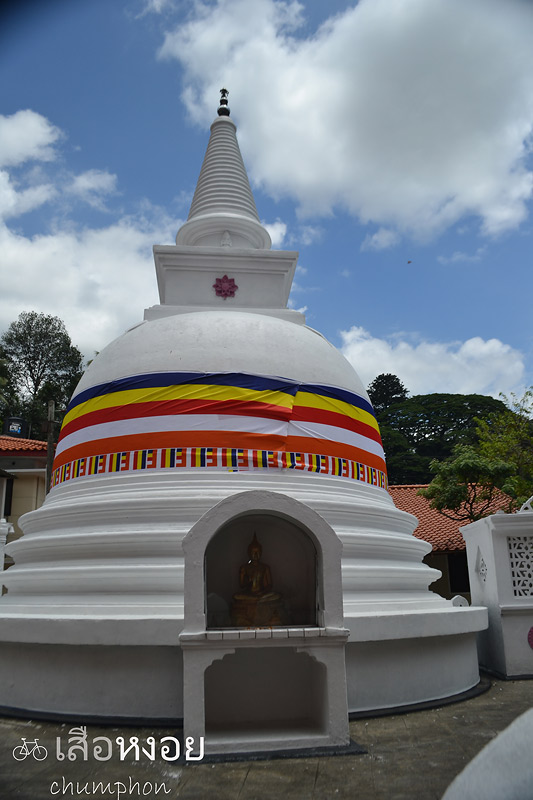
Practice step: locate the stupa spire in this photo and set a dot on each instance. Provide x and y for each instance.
(223, 211)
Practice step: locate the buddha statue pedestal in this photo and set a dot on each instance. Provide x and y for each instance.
(258, 612)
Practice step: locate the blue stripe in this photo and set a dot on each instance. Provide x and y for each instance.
(238, 379)
(159, 379)
(338, 394)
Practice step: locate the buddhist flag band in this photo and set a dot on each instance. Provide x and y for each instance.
(220, 458)
(215, 420)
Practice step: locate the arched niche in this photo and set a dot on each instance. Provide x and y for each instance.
(264, 687)
(308, 537)
(255, 691)
(291, 556)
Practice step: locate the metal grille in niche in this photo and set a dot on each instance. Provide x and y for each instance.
(521, 560)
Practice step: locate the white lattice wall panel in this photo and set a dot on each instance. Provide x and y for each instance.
(521, 562)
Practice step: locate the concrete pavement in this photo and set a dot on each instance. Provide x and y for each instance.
(410, 756)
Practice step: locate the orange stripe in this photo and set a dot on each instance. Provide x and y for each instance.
(166, 439)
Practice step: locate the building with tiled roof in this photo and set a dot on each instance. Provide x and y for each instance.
(11, 444)
(442, 533)
(22, 479)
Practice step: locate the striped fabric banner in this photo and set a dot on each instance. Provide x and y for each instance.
(226, 421)
(225, 458)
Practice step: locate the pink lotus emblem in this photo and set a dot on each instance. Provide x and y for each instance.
(225, 287)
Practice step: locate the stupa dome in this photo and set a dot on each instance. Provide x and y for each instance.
(220, 341)
(220, 379)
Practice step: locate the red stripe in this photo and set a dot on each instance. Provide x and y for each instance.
(338, 419)
(173, 407)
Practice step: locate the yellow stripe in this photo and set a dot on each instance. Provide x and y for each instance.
(309, 400)
(184, 392)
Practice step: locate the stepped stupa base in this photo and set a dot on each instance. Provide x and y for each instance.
(131, 666)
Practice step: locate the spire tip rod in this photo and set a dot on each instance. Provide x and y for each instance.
(223, 109)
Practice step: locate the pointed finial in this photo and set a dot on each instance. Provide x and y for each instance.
(223, 109)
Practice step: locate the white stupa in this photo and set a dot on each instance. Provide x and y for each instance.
(219, 418)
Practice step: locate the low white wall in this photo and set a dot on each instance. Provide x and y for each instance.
(134, 682)
(387, 674)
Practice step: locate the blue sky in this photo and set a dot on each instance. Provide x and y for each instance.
(389, 141)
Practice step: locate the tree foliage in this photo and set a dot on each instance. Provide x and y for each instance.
(509, 436)
(385, 390)
(427, 427)
(41, 364)
(466, 485)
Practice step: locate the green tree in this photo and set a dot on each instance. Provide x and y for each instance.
(466, 485)
(427, 427)
(3, 380)
(508, 436)
(385, 390)
(42, 364)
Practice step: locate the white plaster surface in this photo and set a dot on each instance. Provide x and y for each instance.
(218, 341)
(503, 646)
(503, 769)
(186, 275)
(112, 681)
(391, 673)
(223, 211)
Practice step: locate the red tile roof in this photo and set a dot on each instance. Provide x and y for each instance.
(13, 444)
(443, 534)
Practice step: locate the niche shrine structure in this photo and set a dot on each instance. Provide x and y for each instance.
(221, 420)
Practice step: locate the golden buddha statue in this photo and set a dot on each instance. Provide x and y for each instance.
(256, 605)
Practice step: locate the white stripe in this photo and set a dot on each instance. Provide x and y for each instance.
(174, 422)
(330, 433)
(220, 423)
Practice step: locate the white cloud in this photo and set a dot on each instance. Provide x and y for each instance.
(292, 305)
(459, 256)
(96, 280)
(409, 114)
(474, 366)
(14, 202)
(27, 136)
(92, 186)
(308, 234)
(381, 240)
(277, 231)
(345, 273)
(156, 7)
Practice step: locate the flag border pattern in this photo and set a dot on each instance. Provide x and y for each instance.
(228, 459)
